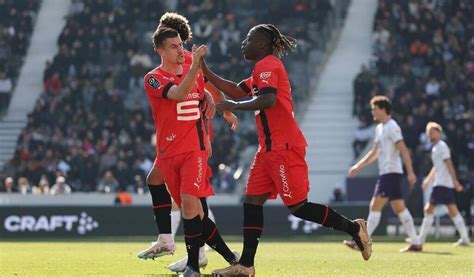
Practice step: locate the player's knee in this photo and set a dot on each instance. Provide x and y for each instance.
(154, 177)
(258, 200)
(295, 208)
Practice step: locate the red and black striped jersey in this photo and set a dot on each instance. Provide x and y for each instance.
(277, 127)
(179, 124)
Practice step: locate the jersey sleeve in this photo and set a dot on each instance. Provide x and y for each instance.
(395, 134)
(377, 134)
(445, 153)
(157, 86)
(246, 85)
(265, 75)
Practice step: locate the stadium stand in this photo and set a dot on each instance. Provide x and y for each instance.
(423, 59)
(16, 25)
(92, 124)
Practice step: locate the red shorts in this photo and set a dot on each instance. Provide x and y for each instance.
(187, 173)
(282, 172)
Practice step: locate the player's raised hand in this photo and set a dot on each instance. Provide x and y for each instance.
(198, 53)
(231, 119)
(353, 171)
(226, 105)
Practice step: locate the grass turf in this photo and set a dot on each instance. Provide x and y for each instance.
(59, 258)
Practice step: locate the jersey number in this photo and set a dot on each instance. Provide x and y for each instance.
(188, 110)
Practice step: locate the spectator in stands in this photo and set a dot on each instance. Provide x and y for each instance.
(362, 136)
(140, 64)
(60, 187)
(8, 185)
(432, 87)
(108, 184)
(337, 195)
(139, 187)
(43, 186)
(6, 87)
(123, 198)
(24, 186)
(54, 84)
(362, 86)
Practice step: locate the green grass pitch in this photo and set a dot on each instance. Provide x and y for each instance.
(118, 258)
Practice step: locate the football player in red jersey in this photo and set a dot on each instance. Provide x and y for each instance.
(175, 91)
(154, 179)
(279, 167)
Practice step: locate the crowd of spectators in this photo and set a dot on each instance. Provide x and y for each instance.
(423, 59)
(16, 26)
(92, 124)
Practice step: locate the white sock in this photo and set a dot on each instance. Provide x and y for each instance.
(175, 220)
(373, 221)
(211, 215)
(166, 238)
(202, 252)
(426, 227)
(409, 225)
(461, 226)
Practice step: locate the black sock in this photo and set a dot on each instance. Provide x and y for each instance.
(212, 237)
(327, 217)
(205, 208)
(161, 207)
(253, 228)
(193, 240)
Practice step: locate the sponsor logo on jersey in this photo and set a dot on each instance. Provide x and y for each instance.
(265, 75)
(152, 81)
(284, 181)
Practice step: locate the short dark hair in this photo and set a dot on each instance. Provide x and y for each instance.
(177, 22)
(160, 35)
(382, 102)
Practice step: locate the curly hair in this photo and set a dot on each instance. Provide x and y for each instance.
(177, 22)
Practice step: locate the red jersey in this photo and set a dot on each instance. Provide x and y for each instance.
(277, 127)
(179, 124)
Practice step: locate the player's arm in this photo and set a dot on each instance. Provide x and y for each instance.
(401, 146)
(368, 158)
(452, 172)
(428, 179)
(228, 87)
(261, 102)
(218, 96)
(209, 106)
(180, 91)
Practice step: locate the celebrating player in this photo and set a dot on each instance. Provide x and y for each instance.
(176, 91)
(181, 25)
(279, 166)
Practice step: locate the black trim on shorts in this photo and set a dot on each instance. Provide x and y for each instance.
(266, 131)
(166, 90)
(200, 134)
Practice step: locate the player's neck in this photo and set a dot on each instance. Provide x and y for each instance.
(385, 119)
(262, 56)
(175, 69)
(435, 141)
